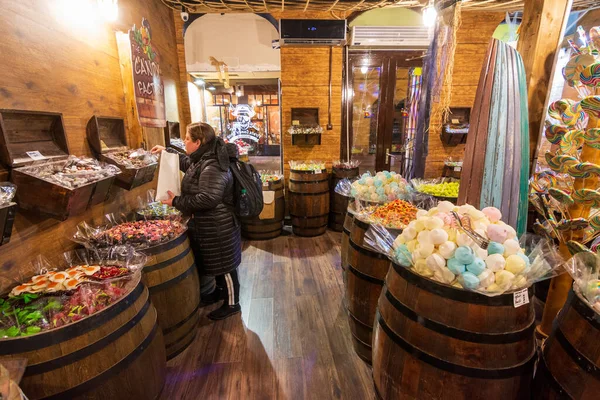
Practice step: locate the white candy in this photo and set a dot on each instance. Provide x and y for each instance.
(486, 278)
(434, 223)
(399, 240)
(436, 262)
(476, 214)
(511, 233)
(444, 275)
(422, 269)
(419, 224)
(423, 237)
(409, 233)
(447, 249)
(421, 213)
(495, 262)
(464, 209)
(463, 240)
(445, 206)
(438, 236)
(511, 247)
(432, 211)
(481, 253)
(424, 250)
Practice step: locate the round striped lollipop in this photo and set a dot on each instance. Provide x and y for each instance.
(583, 170)
(576, 247)
(591, 105)
(555, 132)
(595, 222)
(556, 109)
(574, 67)
(587, 197)
(592, 137)
(572, 141)
(574, 115)
(590, 76)
(561, 196)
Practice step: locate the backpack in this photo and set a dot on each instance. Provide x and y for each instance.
(246, 178)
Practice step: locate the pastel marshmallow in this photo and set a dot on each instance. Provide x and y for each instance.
(497, 233)
(445, 206)
(495, 262)
(403, 256)
(476, 267)
(421, 268)
(434, 223)
(492, 213)
(519, 282)
(515, 264)
(436, 262)
(476, 214)
(511, 246)
(464, 255)
(486, 278)
(423, 237)
(421, 213)
(469, 280)
(495, 248)
(438, 236)
(447, 249)
(412, 245)
(419, 224)
(409, 233)
(512, 234)
(504, 279)
(479, 252)
(424, 250)
(462, 239)
(456, 267)
(444, 275)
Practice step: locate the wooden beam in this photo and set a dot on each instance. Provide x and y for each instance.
(541, 32)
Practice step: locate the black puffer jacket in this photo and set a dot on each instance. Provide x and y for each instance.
(207, 196)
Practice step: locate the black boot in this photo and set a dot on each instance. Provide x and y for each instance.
(216, 295)
(225, 311)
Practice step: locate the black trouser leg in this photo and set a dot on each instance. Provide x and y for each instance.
(231, 284)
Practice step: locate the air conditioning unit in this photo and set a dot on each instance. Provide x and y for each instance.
(400, 37)
(305, 32)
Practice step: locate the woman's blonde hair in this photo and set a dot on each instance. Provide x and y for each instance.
(201, 131)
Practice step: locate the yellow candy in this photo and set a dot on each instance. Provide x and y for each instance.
(515, 264)
(411, 245)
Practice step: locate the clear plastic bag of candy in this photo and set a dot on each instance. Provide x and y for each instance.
(149, 208)
(7, 193)
(267, 176)
(468, 248)
(310, 165)
(584, 268)
(350, 164)
(382, 187)
(133, 158)
(305, 129)
(441, 188)
(126, 230)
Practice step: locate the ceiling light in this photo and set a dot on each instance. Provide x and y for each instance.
(212, 88)
(364, 69)
(239, 93)
(109, 9)
(199, 82)
(429, 15)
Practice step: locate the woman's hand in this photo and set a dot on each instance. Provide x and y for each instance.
(169, 201)
(157, 149)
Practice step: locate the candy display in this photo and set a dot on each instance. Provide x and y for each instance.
(396, 214)
(139, 234)
(73, 172)
(7, 192)
(133, 158)
(266, 177)
(157, 210)
(316, 166)
(468, 248)
(384, 186)
(350, 164)
(305, 130)
(584, 268)
(442, 189)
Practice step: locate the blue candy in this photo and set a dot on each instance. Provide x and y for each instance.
(380, 191)
(394, 184)
(455, 266)
(377, 182)
(362, 180)
(403, 256)
(366, 175)
(469, 281)
(353, 192)
(525, 258)
(476, 267)
(495, 248)
(387, 175)
(465, 255)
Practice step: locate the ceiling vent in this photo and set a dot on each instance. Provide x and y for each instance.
(303, 32)
(402, 37)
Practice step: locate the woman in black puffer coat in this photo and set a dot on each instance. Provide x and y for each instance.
(207, 197)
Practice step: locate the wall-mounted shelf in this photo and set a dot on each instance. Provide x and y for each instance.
(456, 126)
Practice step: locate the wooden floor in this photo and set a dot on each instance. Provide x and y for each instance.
(292, 339)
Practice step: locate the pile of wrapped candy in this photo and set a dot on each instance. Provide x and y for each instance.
(73, 172)
(394, 215)
(158, 210)
(350, 164)
(317, 166)
(133, 158)
(139, 234)
(584, 268)
(7, 193)
(268, 177)
(436, 246)
(383, 187)
(442, 189)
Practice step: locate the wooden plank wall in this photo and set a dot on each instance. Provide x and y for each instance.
(473, 37)
(52, 64)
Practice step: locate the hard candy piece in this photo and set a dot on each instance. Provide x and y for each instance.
(504, 279)
(497, 233)
(424, 250)
(463, 240)
(438, 236)
(447, 249)
(495, 262)
(492, 213)
(515, 264)
(476, 267)
(436, 262)
(445, 206)
(403, 256)
(423, 237)
(511, 246)
(456, 267)
(421, 268)
(495, 248)
(469, 280)
(464, 255)
(486, 278)
(434, 223)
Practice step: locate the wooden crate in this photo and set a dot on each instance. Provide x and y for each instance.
(459, 116)
(172, 132)
(107, 134)
(7, 218)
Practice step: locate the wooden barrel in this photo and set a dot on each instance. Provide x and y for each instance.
(117, 353)
(569, 367)
(270, 228)
(365, 274)
(436, 341)
(339, 203)
(346, 236)
(309, 202)
(172, 279)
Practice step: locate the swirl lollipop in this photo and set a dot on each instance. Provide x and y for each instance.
(595, 36)
(574, 115)
(555, 132)
(561, 196)
(556, 109)
(562, 163)
(576, 247)
(584, 170)
(590, 76)
(592, 137)
(595, 222)
(572, 141)
(572, 71)
(591, 106)
(587, 197)
(575, 224)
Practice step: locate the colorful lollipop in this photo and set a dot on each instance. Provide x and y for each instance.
(590, 76)
(561, 196)
(591, 105)
(572, 141)
(584, 169)
(587, 197)
(576, 247)
(595, 222)
(556, 109)
(575, 224)
(592, 137)
(555, 132)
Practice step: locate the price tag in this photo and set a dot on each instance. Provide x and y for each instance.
(457, 168)
(35, 155)
(521, 298)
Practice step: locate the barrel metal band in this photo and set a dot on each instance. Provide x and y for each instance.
(96, 381)
(365, 277)
(307, 217)
(261, 232)
(88, 350)
(161, 248)
(346, 231)
(450, 292)
(185, 346)
(165, 285)
(358, 321)
(543, 370)
(370, 253)
(581, 360)
(584, 310)
(182, 322)
(42, 340)
(308, 194)
(377, 394)
(168, 262)
(361, 224)
(472, 372)
(192, 331)
(468, 336)
(308, 182)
